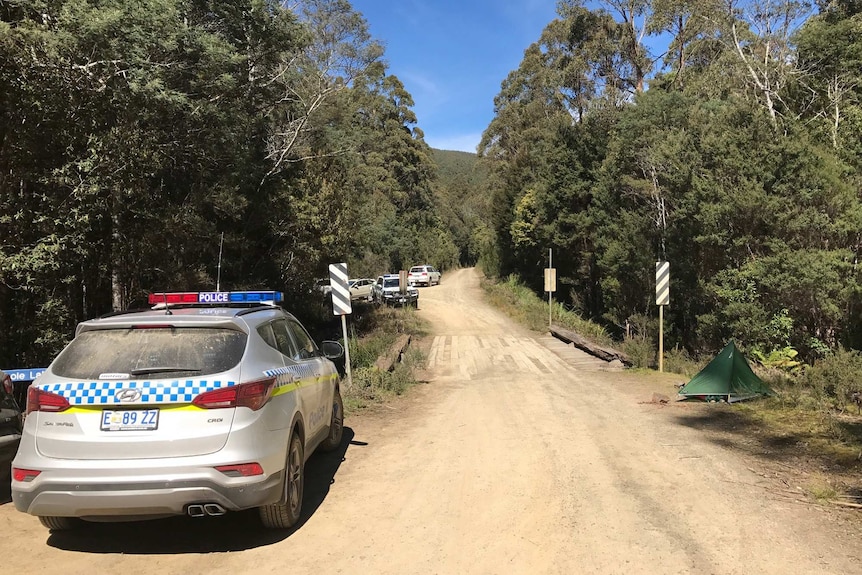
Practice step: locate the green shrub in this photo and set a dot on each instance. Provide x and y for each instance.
(641, 352)
(523, 305)
(365, 351)
(381, 330)
(678, 361)
(835, 379)
(784, 359)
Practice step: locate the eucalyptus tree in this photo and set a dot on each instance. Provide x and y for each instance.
(760, 32)
(694, 33)
(830, 92)
(552, 119)
(339, 51)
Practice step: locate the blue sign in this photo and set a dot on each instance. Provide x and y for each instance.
(24, 374)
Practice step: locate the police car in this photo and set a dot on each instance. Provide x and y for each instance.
(207, 403)
(387, 289)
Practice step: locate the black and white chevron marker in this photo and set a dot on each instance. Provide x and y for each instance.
(662, 283)
(340, 290)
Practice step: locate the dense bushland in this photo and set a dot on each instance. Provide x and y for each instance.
(186, 144)
(735, 156)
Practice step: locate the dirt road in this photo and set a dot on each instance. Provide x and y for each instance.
(518, 455)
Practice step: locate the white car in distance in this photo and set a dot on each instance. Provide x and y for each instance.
(423, 275)
(360, 289)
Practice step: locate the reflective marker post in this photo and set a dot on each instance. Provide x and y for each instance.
(662, 298)
(341, 306)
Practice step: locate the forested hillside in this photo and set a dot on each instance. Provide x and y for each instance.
(134, 135)
(462, 193)
(735, 155)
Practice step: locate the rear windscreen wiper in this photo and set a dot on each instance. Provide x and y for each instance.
(147, 370)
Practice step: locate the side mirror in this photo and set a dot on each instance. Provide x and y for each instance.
(332, 349)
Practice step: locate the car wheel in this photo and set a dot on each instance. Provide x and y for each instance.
(59, 523)
(336, 425)
(284, 515)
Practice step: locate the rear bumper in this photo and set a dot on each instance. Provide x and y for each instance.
(401, 300)
(57, 497)
(145, 487)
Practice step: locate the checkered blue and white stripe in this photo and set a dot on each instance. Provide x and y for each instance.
(297, 371)
(103, 392)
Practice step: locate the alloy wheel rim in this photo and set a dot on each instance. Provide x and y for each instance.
(294, 478)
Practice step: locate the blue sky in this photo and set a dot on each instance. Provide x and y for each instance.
(452, 55)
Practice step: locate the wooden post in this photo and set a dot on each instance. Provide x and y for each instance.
(661, 338)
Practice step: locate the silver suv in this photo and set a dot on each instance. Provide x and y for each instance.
(423, 275)
(209, 402)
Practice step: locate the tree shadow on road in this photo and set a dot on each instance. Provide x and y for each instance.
(230, 532)
(798, 446)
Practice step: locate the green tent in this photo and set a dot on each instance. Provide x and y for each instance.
(727, 377)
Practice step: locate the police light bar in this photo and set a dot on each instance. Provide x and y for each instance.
(174, 298)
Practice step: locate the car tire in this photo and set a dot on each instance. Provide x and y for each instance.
(285, 515)
(58, 523)
(336, 425)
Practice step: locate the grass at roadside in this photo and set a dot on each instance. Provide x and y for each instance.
(800, 428)
(522, 305)
(375, 335)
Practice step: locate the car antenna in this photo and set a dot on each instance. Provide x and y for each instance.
(167, 307)
(218, 274)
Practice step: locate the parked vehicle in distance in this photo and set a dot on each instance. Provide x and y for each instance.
(423, 275)
(360, 289)
(387, 289)
(323, 286)
(10, 432)
(207, 403)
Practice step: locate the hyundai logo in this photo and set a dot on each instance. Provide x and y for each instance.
(128, 395)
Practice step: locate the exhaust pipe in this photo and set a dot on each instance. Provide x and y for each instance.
(196, 511)
(214, 509)
(204, 509)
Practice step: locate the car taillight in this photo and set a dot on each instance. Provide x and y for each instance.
(7, 384)
(241, 469)
(253, 395)
(24, 474)
(41, 400)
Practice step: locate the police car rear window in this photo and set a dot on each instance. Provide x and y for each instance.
(159, 353)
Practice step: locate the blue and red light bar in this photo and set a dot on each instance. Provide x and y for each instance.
(215, 297)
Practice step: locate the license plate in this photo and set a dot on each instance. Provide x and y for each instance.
(130, 420)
